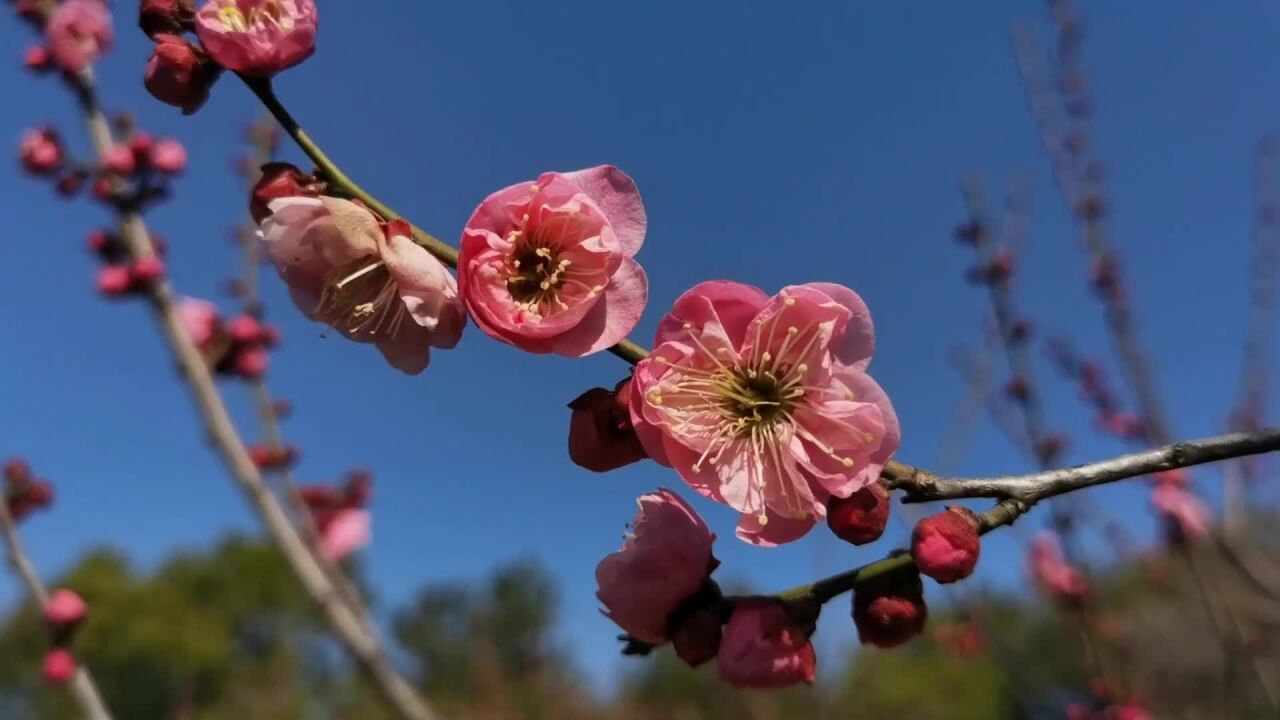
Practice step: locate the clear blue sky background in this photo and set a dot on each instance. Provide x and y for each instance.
(773, 143)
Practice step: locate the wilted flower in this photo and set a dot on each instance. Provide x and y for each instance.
(763, 404)
(548, 266)
(370, 284)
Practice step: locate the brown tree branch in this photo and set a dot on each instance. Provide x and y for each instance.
(83, 688)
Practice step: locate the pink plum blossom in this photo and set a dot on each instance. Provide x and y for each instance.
(372, 284)
(64, 609)
(78, 33)
(764, 404)
(257, 37)
(40, 151)
(763, 648)
(201, 320)
(663, 561)
(1052, 574)
(1181, 509)
(549, 266)
(343, 533)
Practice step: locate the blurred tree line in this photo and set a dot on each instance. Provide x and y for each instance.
(225, 635)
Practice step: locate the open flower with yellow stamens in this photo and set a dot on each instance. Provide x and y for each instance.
(548, 266)
(373, 284)
(764, 404)
(257, 37)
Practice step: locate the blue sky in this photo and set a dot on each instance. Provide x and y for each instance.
(773, 143)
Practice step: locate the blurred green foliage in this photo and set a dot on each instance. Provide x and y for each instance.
(225, 635)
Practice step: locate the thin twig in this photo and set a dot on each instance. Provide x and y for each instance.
(83, 688)
(349, 627)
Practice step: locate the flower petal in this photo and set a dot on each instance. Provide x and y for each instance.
(616, 194)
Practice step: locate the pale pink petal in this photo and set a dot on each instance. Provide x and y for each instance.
(855, 345)
(616, 194)
(777, 530)
(611, 319)
(730, 305)
(349, 531)
(409, 351)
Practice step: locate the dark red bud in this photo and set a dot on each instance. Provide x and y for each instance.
(861, 517)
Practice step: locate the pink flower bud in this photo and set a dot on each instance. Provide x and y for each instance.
(252, 363)
(601, 437)
(114, 281)
(201, 320)
(890, 610)
(37, 58)
(663, 562)
(245, 329)
(78, 33)
(258, 38)
(59, 667)
(65, 609)
(861, 517)
(119, 159)
(41, 152)
(145, 271)
(157, 17)
(945, 546)
(169, 157)
(345, 532)
(280, 180)
(180, 73)
(763, 647)
(1064, 583)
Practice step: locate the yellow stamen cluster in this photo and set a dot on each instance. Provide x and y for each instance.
(361, 298)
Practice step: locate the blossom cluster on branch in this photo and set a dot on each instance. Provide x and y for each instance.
(763, 403)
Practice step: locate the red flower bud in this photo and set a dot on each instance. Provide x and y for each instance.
(890, 610)
(280, 180)
(245, 329)
(180, 73)
(945, 546)
(320, 497)
(16, 471)
(145, 271)
(251, 363)
(119, 160)
(600, 434)
(41, 152)
(273, 458)
(59, 667)
(70, 184)
(158, 17)
(114, 281)
(861, 517)
(38, 58)
(697, 637)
